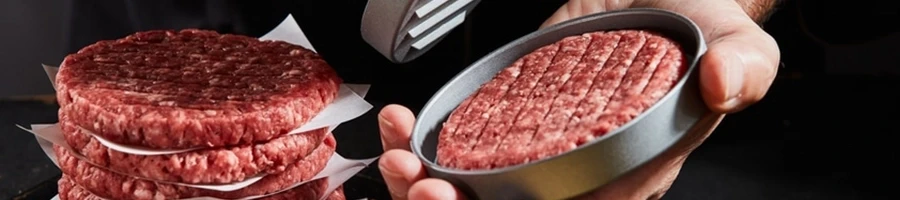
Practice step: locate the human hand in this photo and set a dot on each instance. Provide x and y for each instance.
(742, 59)
(737, 70)
(402, 171)
(406, 177)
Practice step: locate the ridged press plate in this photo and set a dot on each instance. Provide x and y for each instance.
(403, 30)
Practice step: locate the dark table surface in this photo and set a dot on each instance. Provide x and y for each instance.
(820, 133)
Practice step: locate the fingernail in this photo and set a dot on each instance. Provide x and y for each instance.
(734, 77)
(383, 126)
(396, 184)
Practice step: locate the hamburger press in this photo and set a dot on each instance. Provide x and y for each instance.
(403, 30)
(594, 163)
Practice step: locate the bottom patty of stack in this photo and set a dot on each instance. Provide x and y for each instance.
(81, 177)
(69, 190)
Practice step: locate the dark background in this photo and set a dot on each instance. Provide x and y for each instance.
(826, 129)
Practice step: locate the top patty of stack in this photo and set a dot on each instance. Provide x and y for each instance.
(193, 88)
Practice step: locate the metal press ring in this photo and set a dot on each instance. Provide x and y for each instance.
(591, 165)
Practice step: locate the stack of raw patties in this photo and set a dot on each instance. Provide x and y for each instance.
(212, 109)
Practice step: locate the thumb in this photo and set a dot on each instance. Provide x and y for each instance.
(742, 59)
(578, 8)
(738, 68)
(395, 123)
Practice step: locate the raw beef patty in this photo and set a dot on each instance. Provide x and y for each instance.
(204, 166)
(112, 185)
(558, 97)
(68, 190)
(193, 88)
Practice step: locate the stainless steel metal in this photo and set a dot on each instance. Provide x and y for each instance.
(403, 30)
(593, 164)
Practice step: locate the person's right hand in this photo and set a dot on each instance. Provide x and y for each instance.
(742, 59)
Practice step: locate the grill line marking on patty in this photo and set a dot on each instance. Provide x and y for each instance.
(475, 104)
(666, 76)
(465, 107)
(523, 114)
(609, 79)
(639, 73)
(494, 90)
(583, 52)
(617, 65)
(619, 111)
(505, 117)
(533, 68)
(450, 131)
(449, 126)
(571, 93)
(619, 70)
(521, 90)
(526, 127)
(619, 60)
(594, 113)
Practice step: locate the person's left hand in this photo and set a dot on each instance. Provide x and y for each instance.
(406, 177)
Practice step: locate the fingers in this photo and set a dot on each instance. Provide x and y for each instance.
(741, 60)
(561, 14)
(434, 189)
(578, 8)
(653, 179)
(738, 69)
(395, 123)
(400, 170)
